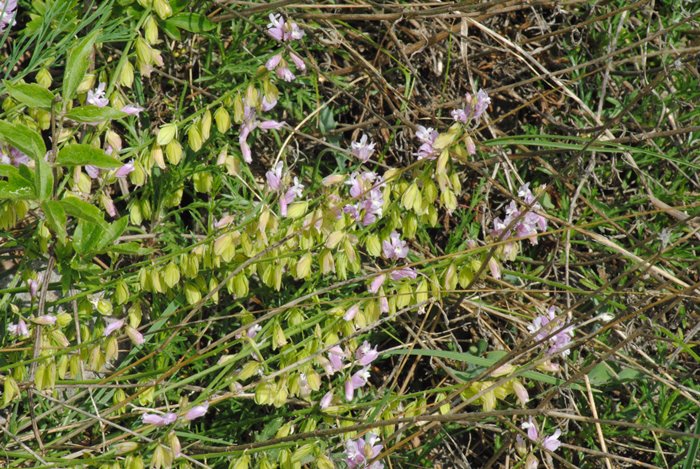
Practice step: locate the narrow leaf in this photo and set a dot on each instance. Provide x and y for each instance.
(43, 179)
(81, 154)
(192, 22)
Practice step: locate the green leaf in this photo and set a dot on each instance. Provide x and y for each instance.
(43, 179)
(77, 64)
(93, 114)
(80, 154)
(86, 237)
(112, 233)
(192, 22)
(55, 218)
(31, 95)
(82, 210)
(16, 189)
(23, 138)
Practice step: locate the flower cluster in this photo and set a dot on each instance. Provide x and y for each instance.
(366, 188)
(544, 325)
(170, 417)
(114, 325)
(336, 360)
(284, 31)
(473, 109)
(359, 452)
(8, 10)
(525, 223)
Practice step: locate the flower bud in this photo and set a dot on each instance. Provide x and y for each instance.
(126, 75)
(150, 29)
(157, 156)
(194, 138)
(43, 78)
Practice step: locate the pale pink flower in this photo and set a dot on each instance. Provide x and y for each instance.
(92, 171)
(124, 170)
(134, 335)
(197, 411)
(377, 283)
(351, 312)
(112, 326)
(285, 73)
(273, 62)
(356, 381)
(326, 400)
(7, 14)
(33, 287)
(298, 61)
(403, 272)
(365, 354)
(358, 453)
(20, 329)
(474, 108)
(97, 97)
(159, 420)
(132, 109)
(268, 104)
(544, 325)
(274, 176)
(336, 355)
(394, 248)
(427, 136)
(363, 149)
(45, 320)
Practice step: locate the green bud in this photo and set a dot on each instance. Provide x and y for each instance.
(171, 275)
(121, 292)
(303, 267)
(104, 307)
(63, 319)
(203, 182)
(163, 10)
(278, 338)
(192, 293)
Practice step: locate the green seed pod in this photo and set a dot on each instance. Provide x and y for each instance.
(62, 368)
(238, 109)
(303, 267)
(135, 315)
(63, 319)
(163, 10)
(171, 275)
(150, 30)
(173, 151)
(59, 339)
(241, 463)
(43, 78)
(157, 156)
(138, 175)
(205, 125)
(125, 447)
(111, 349)
(126, 75)
(327, 262)
(121, 293)
(96, 360)
(192, 293)
(249, 369)
(166, 134)
(194, 138)
(240, 285)
(104, 307)
(252, 97)
(134, 462)
(203, 182)
(278, 338)
(223, 120)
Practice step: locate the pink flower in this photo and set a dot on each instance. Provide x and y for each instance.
(132, 109)
(356, 381)
(20, 329)
(7, 14)
(292, 193)
(395, 248)
(273, 62)
(113, 326)
(363, 149)
(531, 428)
(377, 283)
(92, 171)
(285, 73)
(197, 411)
(326, 400)
(134, 335)
(544, 325)
(552, 442)
(33, 287)
(403, 272)
(336, 355)
(97, 97)
(298, 61)
(268, 104)
(474, 107)
(159, 420)
(274, 176)
(14, 156)
(124, 170)
(365, 354)
(427, 137)
(45, 320)
(351, 312)
(270, 125)
(359, 452)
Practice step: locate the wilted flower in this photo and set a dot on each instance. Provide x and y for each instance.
(159, 420)
(356, 381)
(97, 97)
(197, 411)
(7, 14)
(359, 452)
(394, 248)
(20, 329)
(363, 149)
(365, 354)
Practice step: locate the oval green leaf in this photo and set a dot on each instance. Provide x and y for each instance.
(80, 154)
(31, 95)
(23, 138)
(93, 114)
